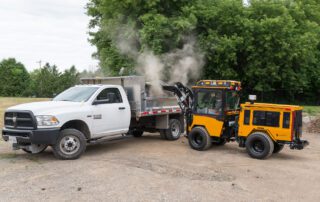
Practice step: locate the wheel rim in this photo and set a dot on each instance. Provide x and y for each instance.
(175, 130)
(198, 139)
(258, 146)
(70, 144)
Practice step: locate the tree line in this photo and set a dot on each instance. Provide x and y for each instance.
(46, 81)
(272, 47)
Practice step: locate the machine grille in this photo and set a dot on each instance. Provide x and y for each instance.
(19, 120)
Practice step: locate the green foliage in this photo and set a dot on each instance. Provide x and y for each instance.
(48, 81)
(273, 47)
(14, 78)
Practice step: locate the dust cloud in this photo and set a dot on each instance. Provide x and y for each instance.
(180, 65)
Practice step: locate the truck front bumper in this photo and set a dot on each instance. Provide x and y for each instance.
(39, 136)
(299, 144)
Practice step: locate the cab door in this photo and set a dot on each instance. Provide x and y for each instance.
(111, 113)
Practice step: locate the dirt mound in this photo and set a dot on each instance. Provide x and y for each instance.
(314, 126)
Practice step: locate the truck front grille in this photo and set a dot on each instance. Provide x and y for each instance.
(19, 120)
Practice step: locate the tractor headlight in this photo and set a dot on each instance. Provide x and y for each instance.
(47, 120)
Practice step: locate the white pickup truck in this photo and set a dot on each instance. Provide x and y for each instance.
(99, 109)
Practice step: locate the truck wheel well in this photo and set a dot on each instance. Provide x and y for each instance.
(78, 125)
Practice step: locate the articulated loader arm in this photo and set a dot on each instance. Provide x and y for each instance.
(184, 96)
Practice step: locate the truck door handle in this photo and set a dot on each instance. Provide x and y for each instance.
(122, 108)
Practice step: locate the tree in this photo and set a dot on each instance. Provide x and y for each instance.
(48, 81)
(14, 78)
(68, 78)
(272, 47)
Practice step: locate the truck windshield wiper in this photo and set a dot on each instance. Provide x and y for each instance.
(66, 100)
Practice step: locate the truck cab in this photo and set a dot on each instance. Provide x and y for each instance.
(74, 117)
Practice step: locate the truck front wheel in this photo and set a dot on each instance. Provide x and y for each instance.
(174, 130)
(199, 139)
(259, 145)
(35, 148)
(70, 145)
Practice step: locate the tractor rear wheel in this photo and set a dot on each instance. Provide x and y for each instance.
(259, 145)
(221, 142)
(199, 139)
(277, 147)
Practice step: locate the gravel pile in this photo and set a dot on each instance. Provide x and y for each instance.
(314, 126)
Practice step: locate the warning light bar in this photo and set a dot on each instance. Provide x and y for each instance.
(228, 84)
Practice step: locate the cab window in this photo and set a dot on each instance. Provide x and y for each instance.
(286, 120)
(266, 118)
(209, 102)
(232, 100)
(110, 95)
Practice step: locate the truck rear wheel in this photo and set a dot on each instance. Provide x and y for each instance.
(259, 145)
(35, 148)
(137, 133)
(174, 130)
(163, 134)
(277, 147)
(199, 139)
(70, 145)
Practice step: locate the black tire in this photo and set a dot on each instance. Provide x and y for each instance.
(199, 139)
(221, 142)
(174, 130)
(41, 149)
(70, 145)
(163, 134)
(137, 133)
(259, 145)
(277, 148)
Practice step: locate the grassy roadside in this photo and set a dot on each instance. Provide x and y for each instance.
(312, 110)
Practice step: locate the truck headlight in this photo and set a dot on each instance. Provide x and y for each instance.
(47, 121)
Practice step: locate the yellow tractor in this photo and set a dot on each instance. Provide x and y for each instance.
(214, 117)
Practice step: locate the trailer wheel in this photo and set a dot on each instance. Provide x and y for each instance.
(259, 145)
(36, 149)
(277, 147)
(137, 133)
(199, 139)
(70, 145)
(174, 130)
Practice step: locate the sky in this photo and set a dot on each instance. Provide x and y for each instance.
(54, 31)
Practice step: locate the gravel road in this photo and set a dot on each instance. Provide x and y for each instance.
(151, 169)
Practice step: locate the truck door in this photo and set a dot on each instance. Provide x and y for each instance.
(111, 113)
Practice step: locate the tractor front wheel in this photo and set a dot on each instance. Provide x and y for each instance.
(199, 139)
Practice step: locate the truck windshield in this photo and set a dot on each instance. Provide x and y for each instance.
(76, 94)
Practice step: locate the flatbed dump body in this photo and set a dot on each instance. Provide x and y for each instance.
(139, 96)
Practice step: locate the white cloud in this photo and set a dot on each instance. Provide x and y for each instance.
(47, 30)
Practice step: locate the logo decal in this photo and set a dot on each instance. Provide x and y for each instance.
(97, 116)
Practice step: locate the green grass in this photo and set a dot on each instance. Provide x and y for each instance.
(312, 110)
(6, 102)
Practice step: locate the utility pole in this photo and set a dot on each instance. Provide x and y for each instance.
(40, 61)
